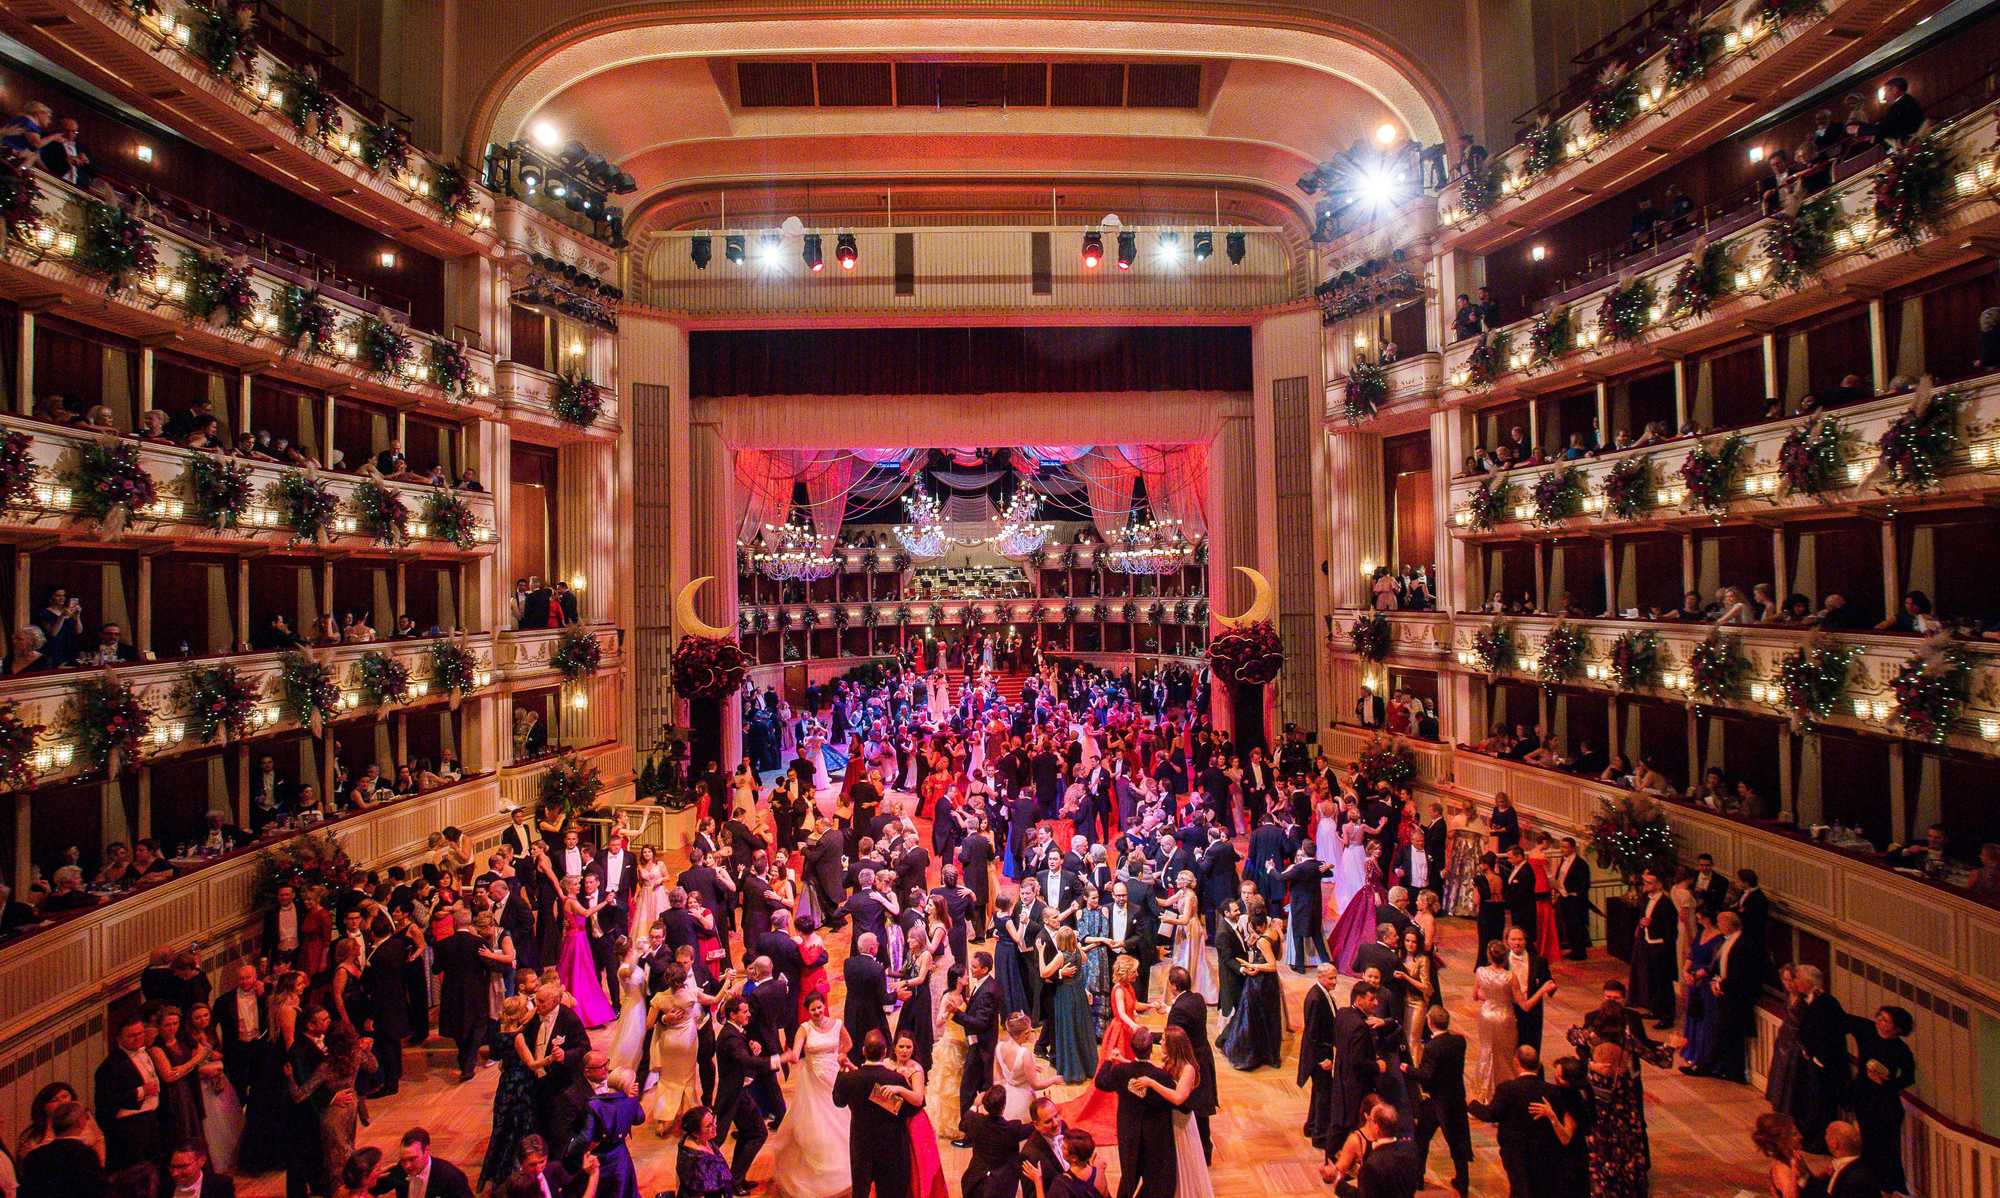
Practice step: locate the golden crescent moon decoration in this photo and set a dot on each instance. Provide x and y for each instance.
(1261, 603)
(691, 624)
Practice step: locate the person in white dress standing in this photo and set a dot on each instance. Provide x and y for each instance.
(1350, 870)
(813, 749)
(628, 1035)
(809, 1149)
(1497, 993)
(1016, 1070)
(1192, 1180)
(675, 1017)
(1190, 937)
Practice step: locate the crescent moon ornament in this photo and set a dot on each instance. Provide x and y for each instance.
(1261, 602)
(691, 624)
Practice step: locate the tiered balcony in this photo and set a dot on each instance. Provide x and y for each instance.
(152, 63)
(1191, 611)
(1864, 259)
(41, 269)
(1757, 63)
(174, 518)
(1761, 492)
(1413, 390)
(41, 697)
(523, 658)
(526, 394)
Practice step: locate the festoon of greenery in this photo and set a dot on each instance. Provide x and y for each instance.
(1494, 646)
(307, 691)
(1479, 190)
(1716, 668)
(1371, 636)
(1812, 678)
(1913, 188)
(225, 38)
(20, 191)
(17, 469)
(305, 321)
(1546, 143)
(381, 512)
(577, 653)
(1562, 656)
(220, 488)
(1367, 387)
(1630, 834)
(1701, 280)
(385, 146)
(1558, 495)
(382, 679)
(1798, 244)
(17, 748)
(1635, 660)
(385, 348)
(115, 245)
(1710, 474)
(450, 368)
(217, 287)
(1613, 103)
(577, 399)
(1623, 316)
(108, 483)
(217, 700)
(570, 787)
(1492, 501)
(452, 190)
(1628, 486)
(1931, 689)
(451, 518)
(306, 502)
(1813, 458)
(1916, 447)
(1488, 359)
(1689, 54)
(453, 668)
(108, 722)
(1552, 335)
(1384, 760)
(313, 111)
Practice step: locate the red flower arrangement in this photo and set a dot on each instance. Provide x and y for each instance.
(17, 468)
(1930, 690)
(312, 860)
(708, 669)
(17, 748)
(1249, 656)
(108, 477)
(108, 721)
(217, 699)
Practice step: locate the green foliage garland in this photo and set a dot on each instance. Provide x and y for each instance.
(1623, 316)
(1552, 335)
(1716, 669)
(385, 147)
(1488, 360)
(452, 191)
(1494, 647)
(215, 283)
(1630, 834)
(569, 788)
(385, 348)
(224, 42)
(1546, 144)
(577, 653)
(307, 504)
(1558, 495)
(107, 477)
(1915, 447)
(1812, 678)
(1613, 104)
(217, 699)
(108, 722)
(1384, 761)
(17, 748)
(1492, 501)
(220, 488)
(577, 400)
(382, 679)
(1700, 282)
(315, 859)
(1710, 474)
(1635, 660)
(306, 690)
(1813, 458)
(452, 667)
(1930, 690)
(1798, 245)
(382, 513)
(1689, 54)
(451, 519)
(1562, 656)
(1479, 191)
(1367, 387)
(305, 321)
(115, 245)
(1913, 188)
(17, 469)
(313, 111)
(450, 368)
(1371, 636)
(20, 191)
(1628, 486)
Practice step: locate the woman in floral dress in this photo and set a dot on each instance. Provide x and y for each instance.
(1619, 1156)
(1461, 867)
(1093, 931)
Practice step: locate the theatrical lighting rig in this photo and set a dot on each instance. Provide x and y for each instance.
(1093, 249)
(1233, 245)
(1204, 245)
(845, 251)
(1128, 248)
(813, 253)
(732, 248)
(700, 250)
(570, 180)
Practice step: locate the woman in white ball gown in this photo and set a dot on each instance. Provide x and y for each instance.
(809, 1149)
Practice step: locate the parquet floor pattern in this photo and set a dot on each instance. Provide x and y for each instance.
(1700, 1127)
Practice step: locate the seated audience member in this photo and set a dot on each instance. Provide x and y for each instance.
(1690, 611)
(1776, 187)
(1713, 793)
(1589, 762)
(148, 864)
(13, 916)
(1549, 755)
(1648, 780)
(1749, 804)
(25, 651)
(57, 409)
(1914, 616)
(1574, 450)
(98, 420)
(1930, 854)
(359, 631)
(110, 649)
(1765, 601)
(327, 631)
(1902, 116)
(468, 480)
(1464, 319)
(206, 434)
(1645, 220)
(1797, 610)
(246, 448)
(152, 426)
(406, 628)
(277, 635)
(68, 894)
(1853, 389)
(1989, 340)
(117, 868)
(1837, 615)
(1618, 772)
(29, 130)
(1680, 210)
(1986, 878)
(1732, 608)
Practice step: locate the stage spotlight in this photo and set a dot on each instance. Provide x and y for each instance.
(558, 189)
(815, 259)
(1128, 249)
(769, 249)
(531, 176)
(846, 251)
(732, 248)
(1233, 246)
(1377, 188)
(1170, 246)
(700, 250)
(1309, 182)
(1204, 244)
(624, 184)
(1093, 249)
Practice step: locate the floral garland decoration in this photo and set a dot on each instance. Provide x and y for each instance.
(1689, 54)
(569, 788)
(217, 699)
(1492, 501)
(115, 244)
(109, 722)
(1716, 669)
(452, 190)
(1915, 447)
(225, 38)
(1383, 760)
(577, 653)
(1930, 690)
(305, 321)
(1635, 660)
(220, 488)
(1100, 613)
(1700, 282)
(1156, 613)
(17, 469)
(1370, 634)
(1562, 656)
(1630, 834)
(577, 399)
(1624, 314)
(760, 620)
(1558, 495)
(1812, 678)
(108, 477)
(307, 503)
(1545, 147)
(871, 616)
(306, 690)
(1479, 191)
(450, 368)
(1709, 474)
(1552, 335)
(216, 284)
(385, 348)
(1487, 362)
(809, 617)
(935, 614)
(20, 192)
(1913, 188)
(1628, 486)
(382, 513)
(1248, 656)
(451, 518)
(452, 667)
(382, 679)
(1367, 387)
(1813, 458)
(315, 859)
(1798, 243)
(1493, 647)
(708, 669)
(1613, 103)
(385, 147)
(841, 619)
(17, 748)
(313, 111)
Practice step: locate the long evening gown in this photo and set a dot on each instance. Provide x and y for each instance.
(1014, 1071)
(1781, 1076)
(1190, 946)
(926, 1167)
(649, 898)
(809, 1149)
(608, 1122)
(221, 1116)
(1191, 1178)
(1255, 1034)
(1462, 852)
(1703, 1007)
(1096, 1110)
(513, 1115)
(1355, 927)
(579, 976)
(1350, 869)
(1496, 1036)
(1074, 1053)
(1008, 967)
(628, 1036)
(675, 1016)
(941, 1100)
(1547, 942)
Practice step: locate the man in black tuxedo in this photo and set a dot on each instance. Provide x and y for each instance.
(462, 990)
(1570, 881)
(1301, 881)
(958, 903)
(305, 1163)
(1232, 944)
(1061, 888)
(1531, 972)
(774, 1016)
(556, 1033)
(128, 1099)
(975, 860)
(1139, 915)
(782, 951)
(188, 1167)
(758, 899)
(1441, 1073)
(1824, 1059)
(1528, 1143)
(1850, 1176)
(281, 927)
(1390, 1166)
(981, 1021)
(388, 996)
(416, 1171)
(823, 853)
(1653, 939)
(1355, 1068)
(868, 992)
(617, 877)
(243, 1028)
(1383, 955)
(878, 1152)
(1187, 1011)
(517, 919)
(1753, 907)
(1711, 889)
(1517, 889)
(707, 883)
(1437, 832)
(1265, 858)
(995, 1140)
(1733, 983)
(869, 907)
(1146, 1165)
(1043, 1147)
(742, 1065)
(1316, 1046)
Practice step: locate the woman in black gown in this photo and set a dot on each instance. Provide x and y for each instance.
(1255, 1034)
(1781, 1075)
(1887, 1067)
(513, 1096)
(1492, 908)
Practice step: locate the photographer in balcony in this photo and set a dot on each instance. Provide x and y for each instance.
(61, 622)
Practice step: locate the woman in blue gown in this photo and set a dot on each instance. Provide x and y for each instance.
(513, 1098)
(1704, 1009)
(1255, 1034)
(1007, 963)
(607, 1121)
(1073, 1047)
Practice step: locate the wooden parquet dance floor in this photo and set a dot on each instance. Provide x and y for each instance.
(1700, 1126)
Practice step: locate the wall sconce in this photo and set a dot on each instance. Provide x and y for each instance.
(144, 153)
(1989, 730)
(578, 582)
(1759, 693)
(420, 688)
(1367, 568)
(1361, 341)
(579, 701)
(575, 349)
(386, 259)
(350, 699)
(1538, 252)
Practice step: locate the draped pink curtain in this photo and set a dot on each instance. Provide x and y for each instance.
(1176, 482)
(764, 476)
(827, 484)
(1108, 480)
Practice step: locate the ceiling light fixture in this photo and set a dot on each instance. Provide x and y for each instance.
(1386, 133)
(1233, 245)
(732, 248)
(700, 250)
(846, 251)
(1170, 246)
(1128, 248)
(813, 252)
(1093, 249)
(769, 250)
(1204, 244)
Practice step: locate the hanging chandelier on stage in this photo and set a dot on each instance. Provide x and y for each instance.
(924, 537)
(1019, 535)
(1151, 547)
(794, 552)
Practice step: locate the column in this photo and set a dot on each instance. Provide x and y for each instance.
(1610, 578)
(1680, 394)
(1357, 514)
(1780, 576)
(1899, 795)
(1807, 800)
(147, 377)
(24, 855)
(142, 618)
(1892, 569)
(242, 753)
(1878, 343)
(1535, 425)
(243, 630)
(24, 404)
(326, 431)
(1788, 801)
(1687, 562)
(1603, 414)
(1770, 344)
(23, 586)
(243, 387)
(143, 824)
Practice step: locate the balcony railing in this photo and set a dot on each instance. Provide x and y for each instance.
(42, 698)
(522, 389)
(1862, 248)
(1413, 383)
(1758, 488)
(1186, 610)
(521, 656)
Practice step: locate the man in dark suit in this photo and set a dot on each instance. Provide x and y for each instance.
(705, 882)
(187, 1165)
(774, 1017)
(1517, 889)
(1146, 1165)
(1043, 1147)
(388, 995)
(1653, 939)
(1135, 911)
(1265, 859)
(1301, 882)
(462, 991)
(1355, 1068)
(782, 951)
(281, 927)
(975, 859)
(868, 992)
(617, 876)
(1232, 945)
(878, 1154)
(1187, 1011)
(1441, 1073)
(1733, 983)
(1390, 1166)
(822, 856)
(416, 1171)
(869, 907)
(1316, 1046)
(128, 1099)
(557, 1034)
(981, 1021)
(1711, 889)
(1824, 1059)
(958, 900)
(1850, 1176)
(245, 1032)
(517, 919)
(1528, 1143)
(1753, 906)
(1383, 955)
(1571, 883)
(742, 1064)
(1531, 971)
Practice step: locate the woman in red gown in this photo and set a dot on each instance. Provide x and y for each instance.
(1547, 943)
(1097, 1109)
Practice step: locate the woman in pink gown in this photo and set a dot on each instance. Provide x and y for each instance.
(1357, 921)
(927, 1168)
(577, 966)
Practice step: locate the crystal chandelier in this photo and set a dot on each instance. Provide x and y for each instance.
(1151, 547)
(794, 552)
(1019, 535)
(924, 537)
